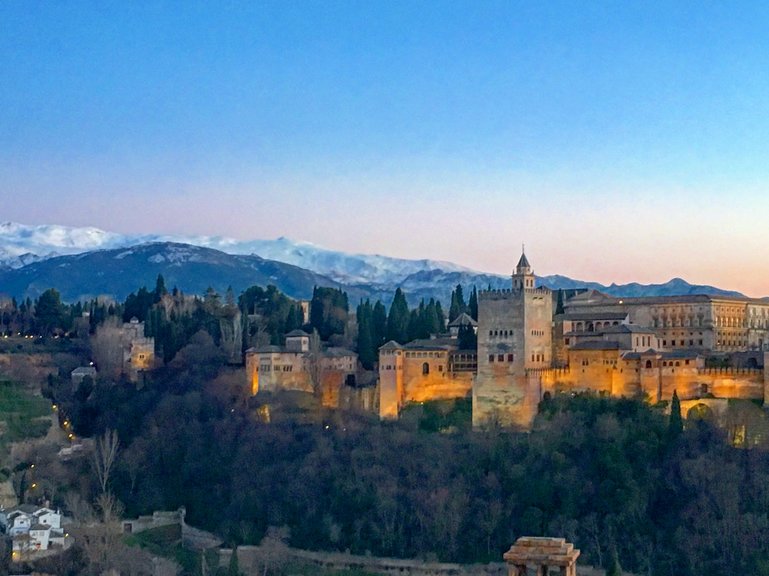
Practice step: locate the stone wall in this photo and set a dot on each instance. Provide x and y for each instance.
(610, 374)
(252, 559)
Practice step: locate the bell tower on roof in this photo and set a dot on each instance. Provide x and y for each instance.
(523, 276)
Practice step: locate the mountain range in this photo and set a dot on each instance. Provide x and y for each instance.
(86, 262)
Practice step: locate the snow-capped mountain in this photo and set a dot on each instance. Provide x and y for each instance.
(22, 244)
(25, 252)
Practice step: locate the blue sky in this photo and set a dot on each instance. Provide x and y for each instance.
(620, 141)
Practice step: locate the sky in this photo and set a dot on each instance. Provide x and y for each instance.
(621, 141)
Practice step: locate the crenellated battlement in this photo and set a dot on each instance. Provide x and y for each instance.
(500, 294)
(730, 371)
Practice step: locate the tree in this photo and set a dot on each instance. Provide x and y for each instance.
(367, 350)
(107, 347)
(398, 318)
(472, 305)
(614, 568)
(49, 311)
(676, 424)
(458, 305)
(328, 311)
(379, 324)
(160, 289)
(233, 569)
(466, 338)
(559, 303)
(315, 366)
(104, 455)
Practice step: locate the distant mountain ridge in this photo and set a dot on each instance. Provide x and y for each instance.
(83, 262)
(21, 244)
(120, 271)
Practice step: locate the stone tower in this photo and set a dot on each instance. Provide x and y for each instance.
(514, 344)
(390, 379)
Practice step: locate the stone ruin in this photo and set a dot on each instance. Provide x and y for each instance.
(541, 554)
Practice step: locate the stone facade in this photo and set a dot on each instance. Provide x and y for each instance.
(514, 337)
(295, 367)
(423, 370)
(616, 346)
(717, 323)
(138, 350)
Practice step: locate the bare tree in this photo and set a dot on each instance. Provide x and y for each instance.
(315, 364)
(104, 455)
(101, 539)
(107, 347)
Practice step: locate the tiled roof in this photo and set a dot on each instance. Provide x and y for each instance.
(596, 345)
(296, 333)
(463, 319)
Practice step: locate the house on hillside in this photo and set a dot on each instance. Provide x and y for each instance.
(34, 530)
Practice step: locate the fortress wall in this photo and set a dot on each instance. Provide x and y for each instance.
(443, 385)
(507, 400)
(721, 383)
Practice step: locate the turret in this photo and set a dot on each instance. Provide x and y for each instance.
(523, 277)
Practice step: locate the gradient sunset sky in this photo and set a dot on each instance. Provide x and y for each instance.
(622, 141)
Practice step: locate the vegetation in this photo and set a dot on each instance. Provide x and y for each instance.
(633, 488)
(605, 473)
(22, 414)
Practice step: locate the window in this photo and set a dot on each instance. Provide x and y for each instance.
(509, 357)
(491, 357)
(500, 357)
(425, 369)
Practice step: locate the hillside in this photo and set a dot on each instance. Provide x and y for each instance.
(192, 269)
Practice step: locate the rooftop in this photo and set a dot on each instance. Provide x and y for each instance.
(463, 319)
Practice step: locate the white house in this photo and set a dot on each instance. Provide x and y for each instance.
(35, 529)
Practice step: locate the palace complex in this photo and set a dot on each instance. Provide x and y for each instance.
(529, 342)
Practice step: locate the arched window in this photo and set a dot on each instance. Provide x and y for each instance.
(425, 368)
(648, 363)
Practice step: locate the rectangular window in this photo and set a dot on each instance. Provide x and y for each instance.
(491, 357)
(509, 357)
(500, 357)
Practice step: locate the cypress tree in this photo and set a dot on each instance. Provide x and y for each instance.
(398, 319)
(233, 569)
(432, 321)
(559, 303)
(379, 324)
(473, 304)
(367, 350)
(676, 423)
(467, 339)
(441, 316)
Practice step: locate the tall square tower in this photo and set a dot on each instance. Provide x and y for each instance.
(514, 342)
